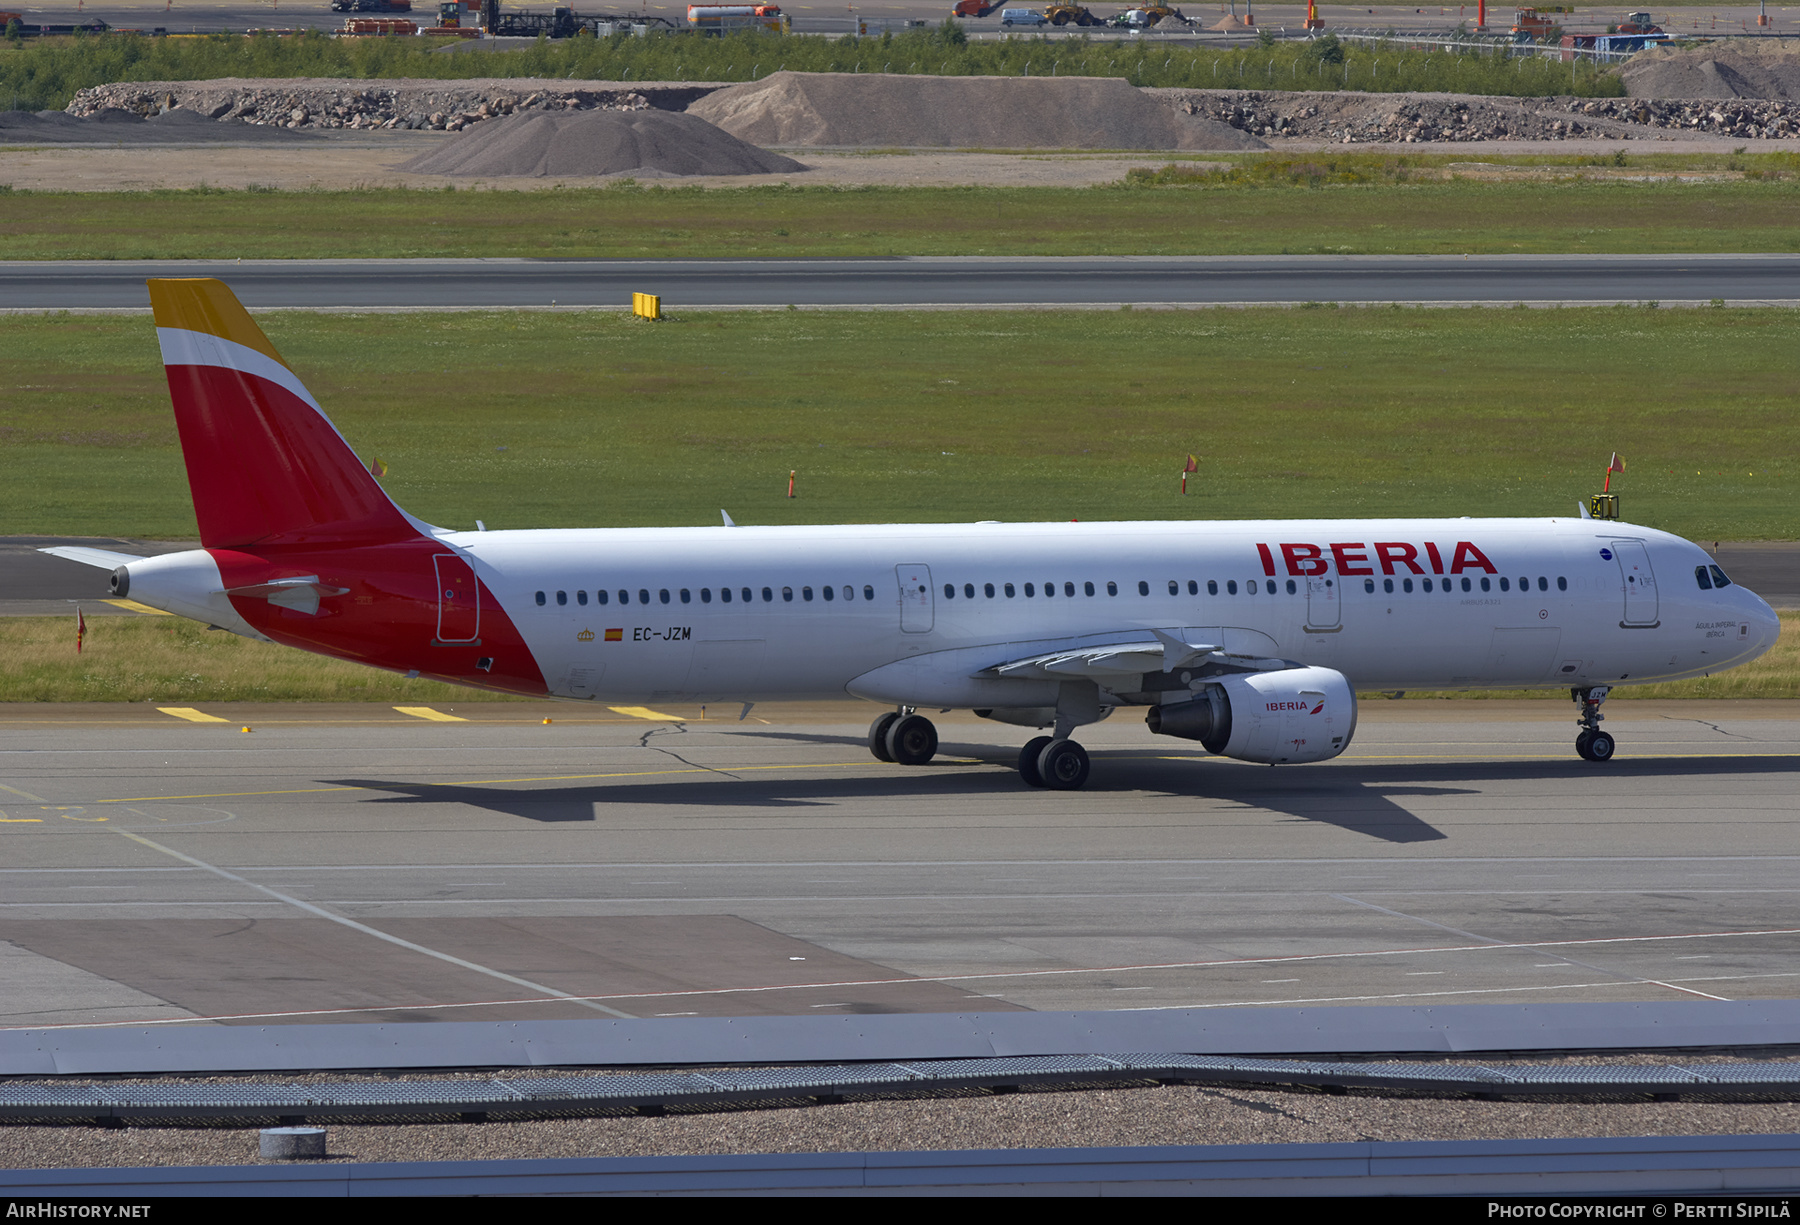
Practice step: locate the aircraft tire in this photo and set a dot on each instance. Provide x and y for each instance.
(1600, 747)
(878, 731)
(1028, 760)
(912, 741)
(1063, 765)
(1583, 745)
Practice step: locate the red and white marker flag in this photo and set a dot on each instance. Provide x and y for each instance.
(1615, 464)
(80, 628)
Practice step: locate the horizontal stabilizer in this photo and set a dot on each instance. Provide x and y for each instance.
(92, 557)
(301, 594)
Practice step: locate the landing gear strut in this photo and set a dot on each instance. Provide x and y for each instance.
(1592, 743)
(904, 738)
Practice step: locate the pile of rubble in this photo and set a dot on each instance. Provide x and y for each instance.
(1349, 118)
(443, 106)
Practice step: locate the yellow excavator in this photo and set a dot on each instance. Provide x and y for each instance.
(1070, 15)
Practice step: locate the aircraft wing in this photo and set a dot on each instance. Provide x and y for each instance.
(1163, 652)
(92, 557)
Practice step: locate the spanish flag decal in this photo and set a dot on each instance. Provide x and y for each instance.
(615, 635)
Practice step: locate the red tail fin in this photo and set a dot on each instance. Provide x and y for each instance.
(264, 464)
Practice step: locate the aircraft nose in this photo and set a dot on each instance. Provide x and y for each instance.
(1765, 625)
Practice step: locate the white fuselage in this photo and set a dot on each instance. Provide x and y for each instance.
(915, 611)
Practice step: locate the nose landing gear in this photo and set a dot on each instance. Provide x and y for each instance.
(1592, 744)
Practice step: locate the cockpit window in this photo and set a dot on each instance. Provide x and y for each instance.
(1719, 579)
(1703, 578)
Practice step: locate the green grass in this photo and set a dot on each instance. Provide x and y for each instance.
(172, 659)
(562, 420)
(1260, 206)
(46, 73)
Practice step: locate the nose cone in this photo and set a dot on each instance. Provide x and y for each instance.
(1764, 622)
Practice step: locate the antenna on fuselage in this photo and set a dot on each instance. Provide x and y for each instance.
(729, 521)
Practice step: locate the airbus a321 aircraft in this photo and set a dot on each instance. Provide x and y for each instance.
(1248, 637)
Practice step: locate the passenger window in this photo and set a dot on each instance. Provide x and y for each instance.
(1088, 587)
(787, 595)
(540, 599)
(600, 597)
(1112, 588)
(949, 591)
(1193, 587)
(1504, 585)
(1387, 585)
(1484, 584)
(850, 592)
(663, 595)
(686, 596)
(1467, 585)
(581, 598)
(1069, 589)
(724, 595)
(643, 595)
(1290, 586)
(988, 589)
(968, 591)
(1406, 585)
(1143, 587)
(1008, 589)
(1719, 579)
(706, 595)
(1427, 584)
(768, 595)
(806, 594)
(1049, 590)
(828, 593)
(1562, 584)
(744, 594)
(1212, 586)
(1251, 586)
(1369, 585)
(1030, 590)
(1543, 583)
(562, 597)
(868, 592)
(1231, 586)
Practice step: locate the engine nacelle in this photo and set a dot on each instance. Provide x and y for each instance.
(1294, 715)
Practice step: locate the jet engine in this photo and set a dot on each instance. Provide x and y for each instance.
(1289, 716)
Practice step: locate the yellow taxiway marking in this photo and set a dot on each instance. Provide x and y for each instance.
(134, 606)
(644, 712)
(425, 712)
(191, 715)
(23, 795)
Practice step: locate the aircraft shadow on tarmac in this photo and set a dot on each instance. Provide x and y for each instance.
(1358, 798)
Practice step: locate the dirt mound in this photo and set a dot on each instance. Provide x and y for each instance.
(648, 144)
(120, 127)
(1719, 70)
(829, 109)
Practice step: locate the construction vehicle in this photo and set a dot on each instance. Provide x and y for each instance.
(1537, 24)
(973, 8)
(1070, 15)
(451, 23)
(1145, 16)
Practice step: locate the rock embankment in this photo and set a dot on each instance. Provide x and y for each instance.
(314, 103)
(1349, 118)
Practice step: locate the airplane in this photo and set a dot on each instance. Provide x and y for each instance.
(1251, 638)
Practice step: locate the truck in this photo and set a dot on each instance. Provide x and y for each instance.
(1070, 15)
(722, 18)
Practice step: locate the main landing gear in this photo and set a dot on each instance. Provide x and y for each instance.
(1054, 762)
(904, 738)
(1592, 743)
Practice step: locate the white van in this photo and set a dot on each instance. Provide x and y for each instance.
(1022, 17)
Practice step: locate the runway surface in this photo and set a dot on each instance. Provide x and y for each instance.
(359, 863)
(921, 282)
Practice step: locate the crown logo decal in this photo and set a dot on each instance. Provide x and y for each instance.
(585, 636)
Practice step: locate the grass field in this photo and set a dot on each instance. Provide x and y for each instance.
(596, 419)
(1415, 204)
(173, 660)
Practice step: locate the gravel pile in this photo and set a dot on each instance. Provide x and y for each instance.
(1351, 118)
(309, 103)
(1735, 69)
(643, 143)
(120, 127)
(794, 109)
